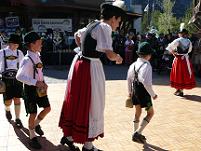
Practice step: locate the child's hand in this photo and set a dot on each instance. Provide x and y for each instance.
(39, 84)
(155, 97)
(119, 59)
(45, 86)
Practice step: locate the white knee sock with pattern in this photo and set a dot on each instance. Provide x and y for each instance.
(136, 125)
(17, 110)
(143, 125)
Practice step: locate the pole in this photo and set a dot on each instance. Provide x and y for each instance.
(148, 14)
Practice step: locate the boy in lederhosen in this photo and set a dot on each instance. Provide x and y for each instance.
(140, 89)
(30, 73)
(10, 58)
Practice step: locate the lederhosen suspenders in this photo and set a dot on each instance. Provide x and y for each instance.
(136, 77)
(136, 72)
(5, 62)
(34, 67)
(10, 73)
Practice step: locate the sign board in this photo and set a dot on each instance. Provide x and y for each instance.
(12, 21)
(61, 25)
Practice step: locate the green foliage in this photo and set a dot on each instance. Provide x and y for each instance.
(145, 22)
(154, 18)
(165, 21)
(190, 27)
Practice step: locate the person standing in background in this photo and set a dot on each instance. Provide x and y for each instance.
(182, 74)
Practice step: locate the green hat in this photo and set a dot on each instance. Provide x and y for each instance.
(144, 48)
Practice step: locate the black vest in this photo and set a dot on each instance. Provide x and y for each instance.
(181, 49)
(88, 46)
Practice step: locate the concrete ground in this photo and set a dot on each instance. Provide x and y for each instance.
(176, 125)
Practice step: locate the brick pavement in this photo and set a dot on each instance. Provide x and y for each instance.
(176, 125)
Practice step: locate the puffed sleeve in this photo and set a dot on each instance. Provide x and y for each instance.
(80, 33)
(103, 34)
(173, 45)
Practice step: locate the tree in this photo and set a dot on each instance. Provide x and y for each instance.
(166, 21)
(190, 27)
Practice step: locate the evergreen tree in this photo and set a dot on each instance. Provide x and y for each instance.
(166, 21)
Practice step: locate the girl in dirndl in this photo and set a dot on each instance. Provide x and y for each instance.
(182, 75)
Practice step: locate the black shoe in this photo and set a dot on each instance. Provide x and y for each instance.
(179, 93)
(8, 115)
(138, 138)
(34, 143)
(38, 130)
(70, 144)
(176, 92)
(93, 149)
(18, 123)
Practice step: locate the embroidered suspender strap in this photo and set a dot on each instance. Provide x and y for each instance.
(136, 72)
(34, 67)
(5, 62)
(136, 80)
(17, 59)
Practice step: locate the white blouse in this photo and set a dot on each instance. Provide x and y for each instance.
(184, 41)
(102, 33)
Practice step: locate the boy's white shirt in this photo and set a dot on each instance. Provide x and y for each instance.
(144, 75)
(11, 64)
(26, 71)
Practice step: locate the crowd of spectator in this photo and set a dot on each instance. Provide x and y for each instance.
(161, 60)
(124, 44)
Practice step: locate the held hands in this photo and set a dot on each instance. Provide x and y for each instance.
(119, 59)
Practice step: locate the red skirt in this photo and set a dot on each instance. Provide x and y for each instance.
(179, 76)
(74, 119)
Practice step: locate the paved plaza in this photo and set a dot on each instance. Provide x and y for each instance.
(176, 125)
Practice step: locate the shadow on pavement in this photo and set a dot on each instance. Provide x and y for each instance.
(23, 136)
(195, 98)
(149, 147)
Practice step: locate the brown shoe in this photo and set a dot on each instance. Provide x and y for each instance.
(138, 138)
(18, 123)
(8, 115)
(38, 130)
(179, 93)
(70, 144)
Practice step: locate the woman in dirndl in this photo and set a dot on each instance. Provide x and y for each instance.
(182, 74)
(82, 114)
